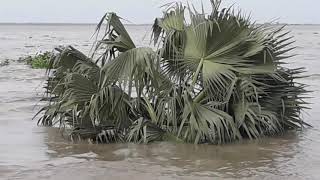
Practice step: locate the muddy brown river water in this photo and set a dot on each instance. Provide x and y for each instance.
(29, 152)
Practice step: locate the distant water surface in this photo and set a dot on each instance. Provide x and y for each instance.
(30, 152)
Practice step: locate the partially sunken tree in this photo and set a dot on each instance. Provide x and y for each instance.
(212, 78)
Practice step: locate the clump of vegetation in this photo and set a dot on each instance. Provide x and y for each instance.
(214, 79)
(39, 61)
(4, 63)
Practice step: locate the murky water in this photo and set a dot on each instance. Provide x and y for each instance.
(31, 152)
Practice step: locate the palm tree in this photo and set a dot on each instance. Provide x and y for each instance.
(213, 78)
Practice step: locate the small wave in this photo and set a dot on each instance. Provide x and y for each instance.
(64, 161)
(29, 46)
(314, 75)
(27, 99)
(123, 152)
(5, 38)
(86, 155)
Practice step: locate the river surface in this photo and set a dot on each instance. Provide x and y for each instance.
(30, 152)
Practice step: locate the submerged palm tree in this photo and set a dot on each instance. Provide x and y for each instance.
(212, 79)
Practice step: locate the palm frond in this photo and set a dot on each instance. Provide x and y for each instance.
(214, 79)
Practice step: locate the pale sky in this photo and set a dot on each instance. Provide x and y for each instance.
(144, 11)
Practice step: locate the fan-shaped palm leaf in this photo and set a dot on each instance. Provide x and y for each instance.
(212, 79)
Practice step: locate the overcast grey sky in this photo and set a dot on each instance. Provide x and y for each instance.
(144, 11)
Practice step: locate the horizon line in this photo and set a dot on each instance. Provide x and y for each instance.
(131, 24)
(58, 23)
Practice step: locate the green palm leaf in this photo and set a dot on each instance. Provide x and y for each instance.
(213, 78)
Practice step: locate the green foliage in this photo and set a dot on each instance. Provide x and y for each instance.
(213, 79)
(39, 61)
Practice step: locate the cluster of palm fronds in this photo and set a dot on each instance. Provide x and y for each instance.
(211, 79)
